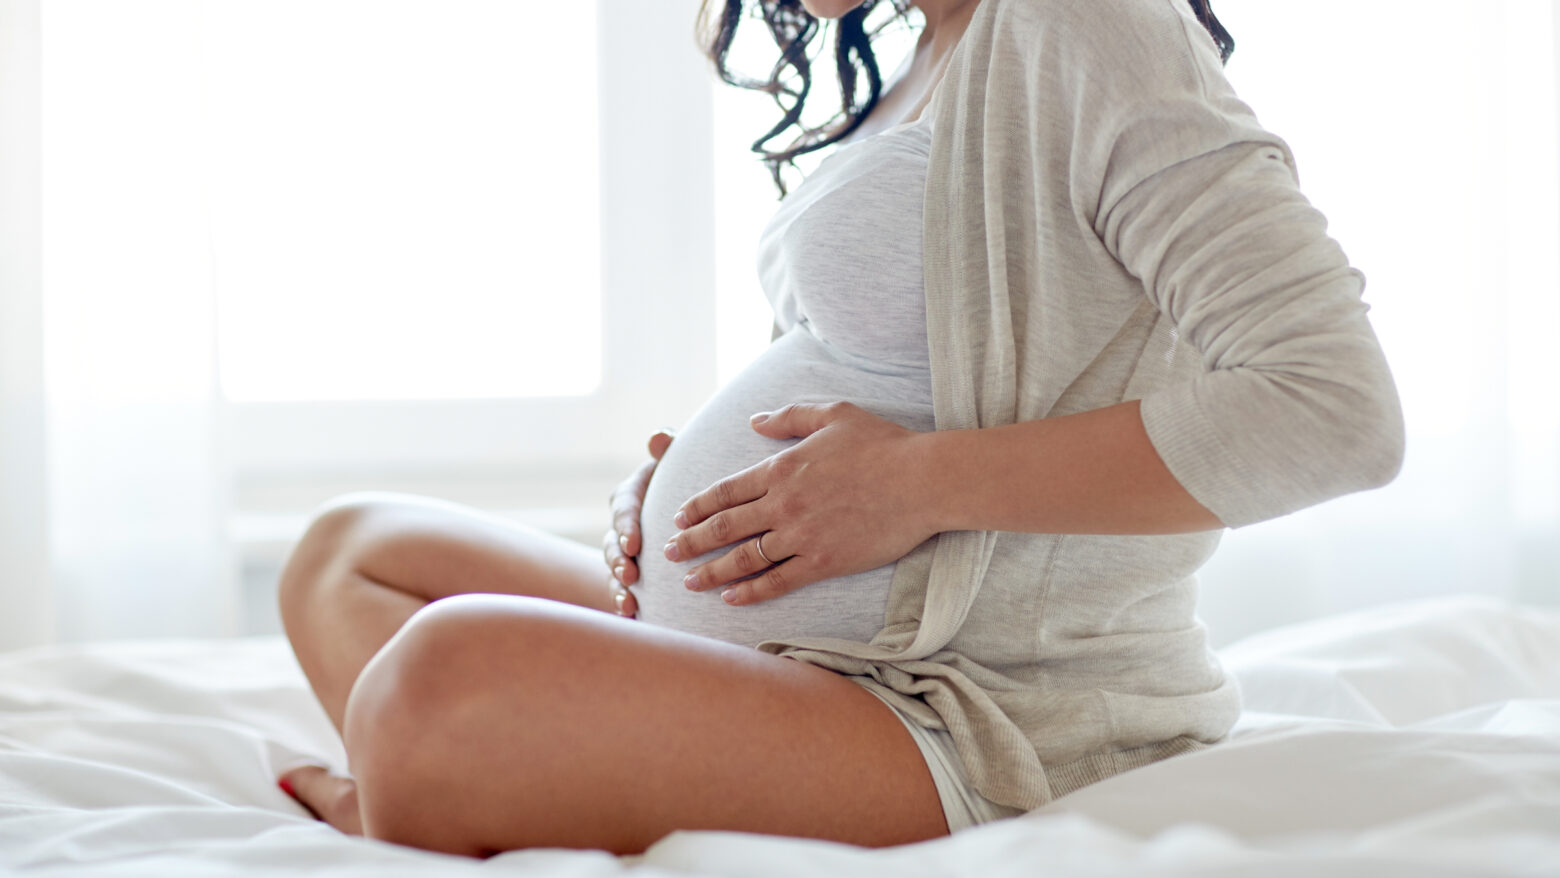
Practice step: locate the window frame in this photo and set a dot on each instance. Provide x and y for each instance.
(658, 302)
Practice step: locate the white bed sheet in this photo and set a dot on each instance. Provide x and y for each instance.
(1416, 739)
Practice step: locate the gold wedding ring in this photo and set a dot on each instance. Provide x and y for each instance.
(759, 545)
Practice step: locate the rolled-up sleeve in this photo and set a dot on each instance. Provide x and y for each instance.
(1297, 404)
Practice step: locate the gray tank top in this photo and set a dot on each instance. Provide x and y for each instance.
(840, 263)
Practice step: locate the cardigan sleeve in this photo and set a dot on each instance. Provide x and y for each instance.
(1296, 403)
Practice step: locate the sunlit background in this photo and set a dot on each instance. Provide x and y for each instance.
(256, 254)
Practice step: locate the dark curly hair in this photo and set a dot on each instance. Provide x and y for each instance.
(789, 81)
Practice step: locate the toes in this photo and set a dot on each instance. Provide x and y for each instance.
(300, 784)
(329, 797)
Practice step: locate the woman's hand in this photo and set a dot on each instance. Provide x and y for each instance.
(621, 544)
(853, 495)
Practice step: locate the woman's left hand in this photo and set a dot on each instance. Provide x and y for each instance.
(851, 496)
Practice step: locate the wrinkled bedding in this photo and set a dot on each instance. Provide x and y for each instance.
(1414, 739)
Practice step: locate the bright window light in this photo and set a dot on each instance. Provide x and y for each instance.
(404, 198)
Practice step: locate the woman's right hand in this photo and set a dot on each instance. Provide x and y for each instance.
(621, 545)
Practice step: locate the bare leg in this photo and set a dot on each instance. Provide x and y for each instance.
(369, 561)
(491, 722)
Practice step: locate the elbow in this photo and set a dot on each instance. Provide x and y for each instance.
(1382, 457)
(1327, 437)
(1371, 437)
(1387, 430)
(1393, 444)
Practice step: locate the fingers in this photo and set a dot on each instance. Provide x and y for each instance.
(624, 573)
(623, 600)
(738, 518)
(787, 576)
(624, 568)
(730, 492)
(659, 442)
(622, 543)
(800, 419)
(626, 503)
(742, 561)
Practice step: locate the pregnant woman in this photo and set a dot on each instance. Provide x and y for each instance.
(1050, 314)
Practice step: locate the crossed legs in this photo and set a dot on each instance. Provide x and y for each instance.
(490, 700)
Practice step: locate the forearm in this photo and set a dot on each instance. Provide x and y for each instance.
(1093, 472)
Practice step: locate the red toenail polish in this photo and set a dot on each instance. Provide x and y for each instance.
(286, 786)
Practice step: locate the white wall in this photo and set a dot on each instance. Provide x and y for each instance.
(28, 614)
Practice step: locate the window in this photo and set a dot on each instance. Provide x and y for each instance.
(398, 211)
(566, 291)
(461, 247)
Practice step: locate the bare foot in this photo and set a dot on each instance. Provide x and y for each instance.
(329, 797)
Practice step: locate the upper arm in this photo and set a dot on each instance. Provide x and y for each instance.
(1297, 403)
(1198, 201)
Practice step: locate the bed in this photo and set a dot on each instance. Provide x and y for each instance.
(1411, 739)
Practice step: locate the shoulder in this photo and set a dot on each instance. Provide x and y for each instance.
(1108, 91)
(1096, 17)
(1107, 42)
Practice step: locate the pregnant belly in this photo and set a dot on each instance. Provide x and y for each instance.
(718, 442)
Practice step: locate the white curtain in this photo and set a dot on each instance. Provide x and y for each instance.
(118, 501)
(26, 603)
(136, 481)
(1426, 133)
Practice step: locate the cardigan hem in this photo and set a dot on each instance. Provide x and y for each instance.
(1069, 777)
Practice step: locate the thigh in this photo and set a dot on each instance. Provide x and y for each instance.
(433, 549)
(492, 723)
(371, 560)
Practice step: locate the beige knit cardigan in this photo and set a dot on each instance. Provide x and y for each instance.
(1106, 221)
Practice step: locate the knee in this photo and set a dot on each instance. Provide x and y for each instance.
(393, 713)
(405, 715)
(420, 682)
(333, 538)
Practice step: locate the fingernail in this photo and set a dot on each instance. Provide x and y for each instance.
(691, 581)
(619, 598)
(729, 595)
(671, 552)
(623, 543)
(760, 418)
(617, 573)
(680, 519)
(286, 786)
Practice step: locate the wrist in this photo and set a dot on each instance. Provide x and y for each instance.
(936, 478)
